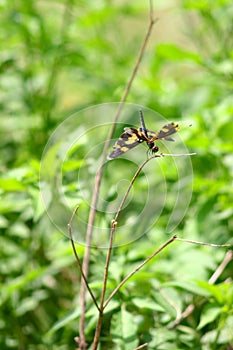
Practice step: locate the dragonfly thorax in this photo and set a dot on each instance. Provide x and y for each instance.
(154, 148)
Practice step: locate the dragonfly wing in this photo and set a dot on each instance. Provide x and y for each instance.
(128, 140)
(166, 131)
(169, 139)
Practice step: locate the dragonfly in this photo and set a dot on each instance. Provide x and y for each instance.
(133, 137)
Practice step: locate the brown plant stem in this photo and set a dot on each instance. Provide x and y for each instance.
(141, 346)
(172, 239)
(228, 257)
(98, 179)
(136, 175)
(202, 243)
(111, 240)
(100, 319)
(77, 257)
(108, 257)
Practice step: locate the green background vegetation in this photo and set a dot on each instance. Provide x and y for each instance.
(59, 57)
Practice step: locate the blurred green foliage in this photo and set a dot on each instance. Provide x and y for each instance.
(59, 57)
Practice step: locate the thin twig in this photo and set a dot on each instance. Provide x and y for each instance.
(98, 179)
(114, 222)
(141, 346)
(108, 257)
(111, 240)
(176, 154)
(172, 239)
(137, 173)
(100, 319)
(202, 243)
(228, 257)
(113, 229)
(129, 188)
(189, 309)
(77, 257)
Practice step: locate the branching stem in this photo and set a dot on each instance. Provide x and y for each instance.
(98, 180)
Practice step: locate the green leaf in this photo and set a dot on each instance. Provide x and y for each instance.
(9, 185)
(18, 283)
(175, 53)
(147, 303)
(30, 303)
(70, 316)
(70, 165)
(209, 314)
(219, 291)
(124, 329)
(188, 287)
